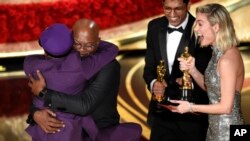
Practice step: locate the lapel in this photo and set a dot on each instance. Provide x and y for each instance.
(162, 44)
(183, 42)
(186, 37)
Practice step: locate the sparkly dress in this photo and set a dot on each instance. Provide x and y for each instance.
(219, 125)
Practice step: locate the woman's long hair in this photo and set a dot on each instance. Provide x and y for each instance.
(218, 14)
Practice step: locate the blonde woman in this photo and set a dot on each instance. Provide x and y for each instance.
(224, 75)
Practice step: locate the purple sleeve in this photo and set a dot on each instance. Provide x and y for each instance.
(32, 63)
(29, 64)
(105, 53)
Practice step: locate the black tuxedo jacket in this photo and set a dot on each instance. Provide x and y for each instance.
(156, 50)
(98, 99)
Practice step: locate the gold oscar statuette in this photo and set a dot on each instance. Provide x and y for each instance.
(186, 88)
(161, 70)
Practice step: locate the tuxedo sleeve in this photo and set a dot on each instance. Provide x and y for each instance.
(149, 72)
(105, 81)
(32, 110)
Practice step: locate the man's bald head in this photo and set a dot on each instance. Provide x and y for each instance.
(86, 26)
(86, 36)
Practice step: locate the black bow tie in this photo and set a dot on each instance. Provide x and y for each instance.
(180, 29)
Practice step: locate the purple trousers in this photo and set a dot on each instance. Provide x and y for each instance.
(71, 132)
(121, 132)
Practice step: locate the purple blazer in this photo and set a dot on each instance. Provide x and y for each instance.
(69, 75)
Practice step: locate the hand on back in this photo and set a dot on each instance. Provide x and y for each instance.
(47, 120)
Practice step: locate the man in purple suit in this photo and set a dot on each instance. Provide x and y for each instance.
(99, 98)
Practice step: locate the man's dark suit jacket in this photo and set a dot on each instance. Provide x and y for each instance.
(156, 50)
(98, 99)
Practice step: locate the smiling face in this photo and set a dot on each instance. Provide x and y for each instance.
(204, 30)
(175, 11)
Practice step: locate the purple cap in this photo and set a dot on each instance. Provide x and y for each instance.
(56, 39)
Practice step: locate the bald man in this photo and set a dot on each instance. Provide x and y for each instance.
(99, 98)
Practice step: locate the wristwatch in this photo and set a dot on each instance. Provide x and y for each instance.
(42, 93)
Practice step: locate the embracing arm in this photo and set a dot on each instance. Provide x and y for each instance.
(105, 81)
(105, 84)
(105, 53)
(32, 110)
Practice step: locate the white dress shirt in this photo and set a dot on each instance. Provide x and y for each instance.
(173, 40)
